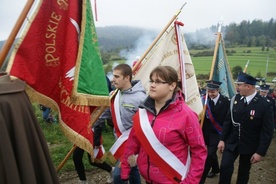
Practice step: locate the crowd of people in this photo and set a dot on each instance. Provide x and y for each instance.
(158, 137)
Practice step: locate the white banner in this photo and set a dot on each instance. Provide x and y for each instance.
(165, 52)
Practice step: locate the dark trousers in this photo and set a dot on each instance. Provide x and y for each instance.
(134, 175)
(215, 164)
(227, 167)
(211, 162)
(77, 158)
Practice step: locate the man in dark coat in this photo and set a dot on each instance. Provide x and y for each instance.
(273, 96)
(264, 90)
(217, 108)
(24, 154)
(247, 131)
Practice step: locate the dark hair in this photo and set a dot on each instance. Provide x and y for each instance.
(166, 73)
(108, 84)
(125, 70)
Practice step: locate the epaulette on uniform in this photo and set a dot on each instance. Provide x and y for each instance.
(225, 97)
(255, 98)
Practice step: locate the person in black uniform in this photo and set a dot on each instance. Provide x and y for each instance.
(273, 96)
(217, 108)
(264, 89)
(247, 130)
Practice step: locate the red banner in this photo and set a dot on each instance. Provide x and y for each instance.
(46, 57)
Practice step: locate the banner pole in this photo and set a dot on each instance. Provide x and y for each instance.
(7, 46)
(215, 56)
(204, 110)
(210, 77)
(66, 158)
(245, 68)
(158, 37)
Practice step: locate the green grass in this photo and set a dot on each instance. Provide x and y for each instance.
(257, 61)
(59, 145)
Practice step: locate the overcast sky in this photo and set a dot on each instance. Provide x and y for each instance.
(156, 14)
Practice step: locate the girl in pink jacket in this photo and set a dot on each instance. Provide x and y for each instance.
(166, 137)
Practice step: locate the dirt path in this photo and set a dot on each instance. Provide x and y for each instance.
(263, 172)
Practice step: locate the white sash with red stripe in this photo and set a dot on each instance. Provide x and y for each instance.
(99, 152)
(122, 134)
(117, 114)
(118, 147)
(163, 158)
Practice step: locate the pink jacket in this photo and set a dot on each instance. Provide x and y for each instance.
(177, 127)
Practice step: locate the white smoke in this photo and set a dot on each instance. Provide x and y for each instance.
(140, 47)
(205, 37)
(110, 74)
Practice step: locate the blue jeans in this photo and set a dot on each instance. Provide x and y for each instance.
(134, 175)
(46, 114)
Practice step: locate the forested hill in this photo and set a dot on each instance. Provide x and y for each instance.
(117, 37)
(247, 33)
(255, 33)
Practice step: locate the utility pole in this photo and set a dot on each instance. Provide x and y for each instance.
(267, 59)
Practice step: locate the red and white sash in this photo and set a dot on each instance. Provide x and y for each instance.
(122, 134)
(212, 119)
(99, 152)
(163, 158)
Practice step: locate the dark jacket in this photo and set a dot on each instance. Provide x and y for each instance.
(219, 111)
(24, 156)
(256, 126)
(272, 101)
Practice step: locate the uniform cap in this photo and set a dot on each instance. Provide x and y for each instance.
(264, 87)
(245, 78)
(213, 85)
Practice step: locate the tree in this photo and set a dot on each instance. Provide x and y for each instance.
(105, 57)
(259, 75)
(235, 71)
(261, 40)
(232, 34)
(244, 31)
